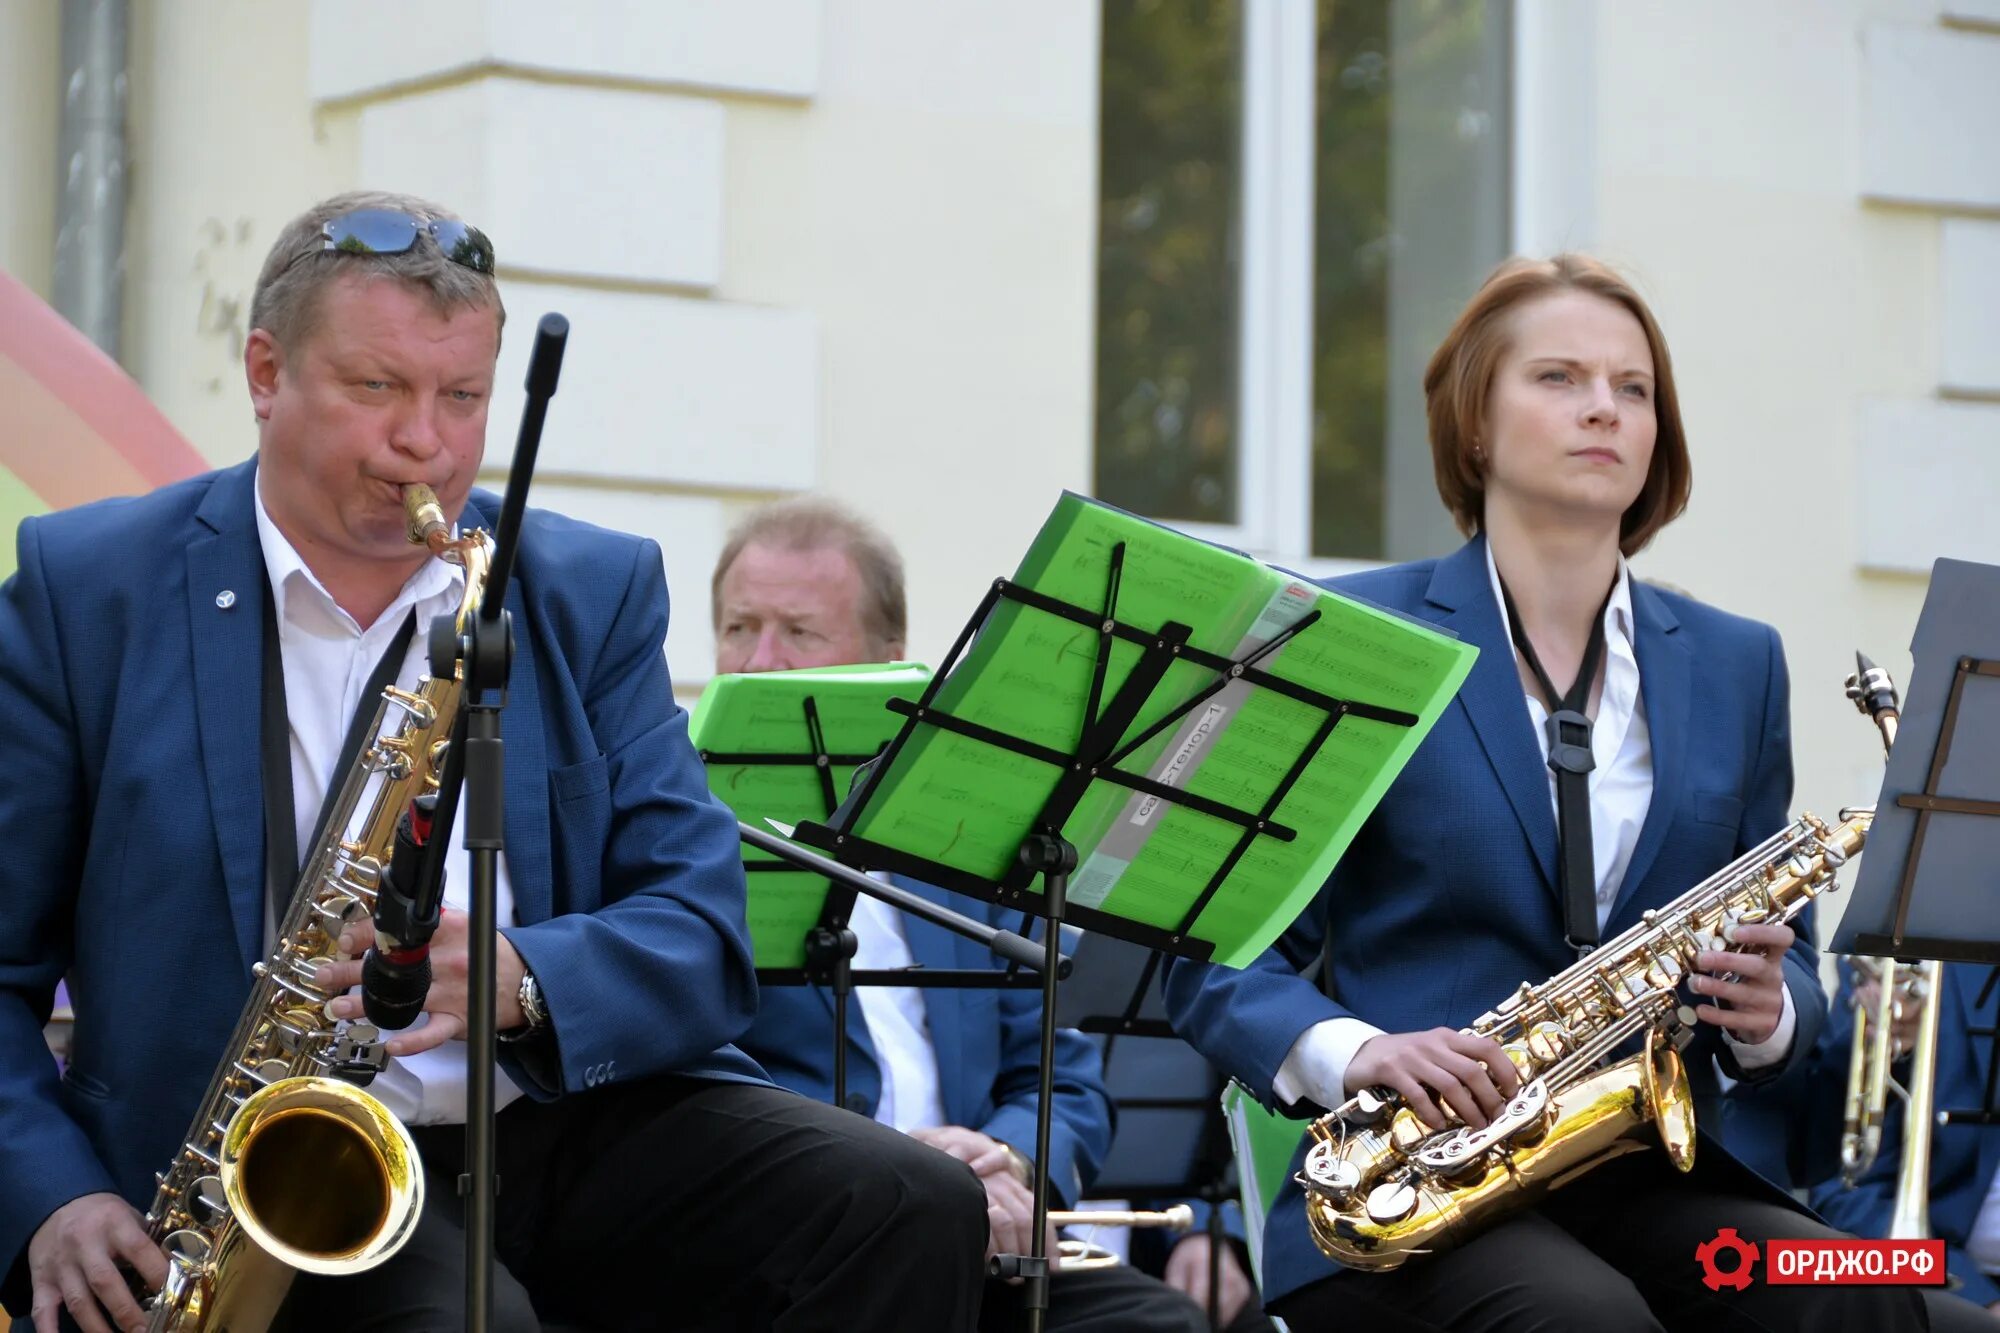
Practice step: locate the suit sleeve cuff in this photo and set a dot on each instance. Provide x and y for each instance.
(1315, 1070)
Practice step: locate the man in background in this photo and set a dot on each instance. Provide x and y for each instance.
(806, 583)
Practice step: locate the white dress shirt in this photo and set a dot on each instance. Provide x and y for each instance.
(899, 1026)
(328, 659)
(1621, 792)
(898, 1023)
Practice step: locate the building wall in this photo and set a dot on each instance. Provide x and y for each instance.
(850, 245)
(30, 62)
(843, 245)
(1789, 224)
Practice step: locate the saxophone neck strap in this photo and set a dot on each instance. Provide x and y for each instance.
(1568, 729)
(281, 838)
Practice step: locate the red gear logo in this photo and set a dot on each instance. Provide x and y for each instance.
(1716, 1278)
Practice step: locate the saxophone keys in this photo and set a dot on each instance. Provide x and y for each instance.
(1365, 1107)
(1406, 1131)
(186, 1249)
(1331, 1172)
(1391, 1201)
(207, 1205)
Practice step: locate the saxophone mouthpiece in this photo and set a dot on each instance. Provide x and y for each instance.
(427, 522)
(1874, 694)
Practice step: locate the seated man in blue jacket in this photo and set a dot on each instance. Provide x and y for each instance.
(805, 583)
(169, 662)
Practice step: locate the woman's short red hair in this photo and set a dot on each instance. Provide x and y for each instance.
(1459, 383)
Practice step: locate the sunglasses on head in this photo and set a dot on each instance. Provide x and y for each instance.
(385, 231)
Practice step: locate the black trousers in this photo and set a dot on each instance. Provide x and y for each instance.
(1612, 1251)
(1104, 1300)
(675, 1204)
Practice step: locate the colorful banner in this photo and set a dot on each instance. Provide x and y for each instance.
(73, 425)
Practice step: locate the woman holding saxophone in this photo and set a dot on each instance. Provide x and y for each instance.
(1614, 745)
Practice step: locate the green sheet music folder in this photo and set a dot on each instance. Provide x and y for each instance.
(1320, 725)
(760, 742)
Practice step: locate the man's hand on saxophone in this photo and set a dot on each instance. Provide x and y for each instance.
(1747, 988)
(77, 1255)
(448, 1001)
(1470, 1075)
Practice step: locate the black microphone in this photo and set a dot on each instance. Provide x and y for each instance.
(396, 973)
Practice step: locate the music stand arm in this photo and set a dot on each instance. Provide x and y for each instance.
(1016, 949)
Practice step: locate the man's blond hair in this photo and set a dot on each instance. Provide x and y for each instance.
(299, 268)
(811, 523)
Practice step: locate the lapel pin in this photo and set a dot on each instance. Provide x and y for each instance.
(225, 599)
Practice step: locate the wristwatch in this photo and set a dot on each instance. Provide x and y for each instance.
(532, 1009)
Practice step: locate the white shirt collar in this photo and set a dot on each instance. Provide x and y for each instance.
(288, 572)
(1618, 623)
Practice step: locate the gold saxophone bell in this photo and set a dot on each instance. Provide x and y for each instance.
(321, 1176)
(1082, 1256)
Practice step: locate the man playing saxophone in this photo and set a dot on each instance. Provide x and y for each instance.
(165, 661)
(1614, 746)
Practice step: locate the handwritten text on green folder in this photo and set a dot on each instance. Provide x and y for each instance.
(967, 804)
(765, 714)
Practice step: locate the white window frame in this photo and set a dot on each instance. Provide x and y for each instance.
(1275, 290)
(1552, 158)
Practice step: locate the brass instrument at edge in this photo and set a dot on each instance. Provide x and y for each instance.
(1870, 1079)
(1082, 1256)
(1380, 1185)
(289, 1164)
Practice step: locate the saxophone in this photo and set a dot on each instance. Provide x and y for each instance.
(1380, 1185)
(289, 1164)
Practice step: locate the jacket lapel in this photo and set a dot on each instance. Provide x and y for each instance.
(1665, 684)
(524, 766)
(225, 558)
(526, 774)
(1492, 697)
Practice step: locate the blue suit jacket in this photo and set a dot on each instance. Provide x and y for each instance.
(1447, 900)
(131, 811)
(1963, 1157)
(988, 1045)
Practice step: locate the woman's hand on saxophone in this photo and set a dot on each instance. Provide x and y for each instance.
(449, 1001)
(74, 1262)
(1745, 986)
(1470, 1075)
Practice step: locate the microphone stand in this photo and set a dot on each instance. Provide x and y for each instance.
(474, 763)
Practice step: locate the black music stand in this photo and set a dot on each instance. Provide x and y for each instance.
(1169, 1145)
(1929, 885)
(830, 942)
(1097, 755)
